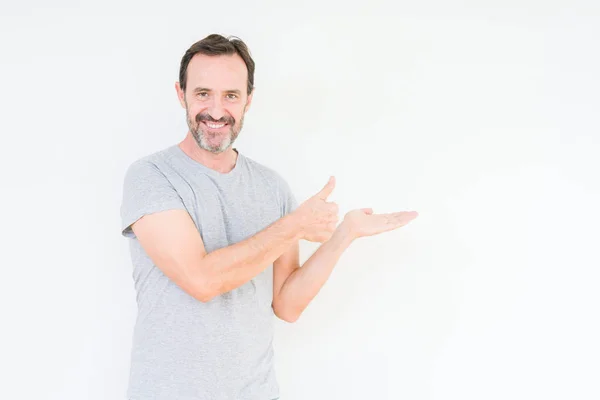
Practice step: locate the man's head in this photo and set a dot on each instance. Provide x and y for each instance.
(216, 81)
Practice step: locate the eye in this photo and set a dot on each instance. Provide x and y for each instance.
(232, 96)
(202, 94)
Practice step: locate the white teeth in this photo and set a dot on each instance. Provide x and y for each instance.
(214, 126)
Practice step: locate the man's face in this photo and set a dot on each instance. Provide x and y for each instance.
(215, 100)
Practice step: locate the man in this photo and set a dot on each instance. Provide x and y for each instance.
(215, 244)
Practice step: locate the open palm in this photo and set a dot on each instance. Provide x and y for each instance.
(363, 222)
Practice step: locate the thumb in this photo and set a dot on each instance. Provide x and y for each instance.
(326, 191)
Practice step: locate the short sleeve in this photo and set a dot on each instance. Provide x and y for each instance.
(146, 190)
(288, 199)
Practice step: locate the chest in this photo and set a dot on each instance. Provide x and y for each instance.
(227, 214)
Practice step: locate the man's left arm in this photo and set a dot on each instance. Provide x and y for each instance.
(294, 287)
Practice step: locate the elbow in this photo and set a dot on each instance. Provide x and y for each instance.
(291, 319)
(203, 297)
(286, 315)
(205, 289)
(202, 294)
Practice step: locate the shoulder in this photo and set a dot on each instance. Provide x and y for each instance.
(148, 165)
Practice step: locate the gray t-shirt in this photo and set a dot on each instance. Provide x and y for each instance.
(184, 349)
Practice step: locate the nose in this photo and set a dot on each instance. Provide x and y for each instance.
(215, 108)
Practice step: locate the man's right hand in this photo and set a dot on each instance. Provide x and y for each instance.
(318, 217)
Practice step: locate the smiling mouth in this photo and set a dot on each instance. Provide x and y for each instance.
(214, 125)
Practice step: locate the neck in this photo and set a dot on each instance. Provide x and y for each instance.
(223, 162)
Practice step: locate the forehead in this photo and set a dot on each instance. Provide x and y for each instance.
(224, 72)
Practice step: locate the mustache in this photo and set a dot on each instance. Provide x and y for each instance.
(204, 117)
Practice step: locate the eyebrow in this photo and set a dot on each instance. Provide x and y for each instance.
(202, 89)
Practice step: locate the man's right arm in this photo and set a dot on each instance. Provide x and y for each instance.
(172, 241)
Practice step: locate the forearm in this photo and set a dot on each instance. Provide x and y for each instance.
(230, 267)
(304, 284)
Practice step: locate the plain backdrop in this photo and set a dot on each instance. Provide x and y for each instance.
(482, 116)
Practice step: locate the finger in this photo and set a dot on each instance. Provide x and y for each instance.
(402, 218)
(326, 191)
(401, 214)
(391, 221)
(322, 238)
(367, 211)
(331, 218)
(334, 208)
(408, 215)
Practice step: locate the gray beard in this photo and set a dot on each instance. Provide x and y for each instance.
(201, 136)
(202, 141)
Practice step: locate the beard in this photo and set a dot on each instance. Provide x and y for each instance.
(215, 142)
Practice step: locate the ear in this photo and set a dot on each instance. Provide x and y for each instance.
(180, 94)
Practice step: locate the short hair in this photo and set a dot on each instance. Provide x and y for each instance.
(215, 45)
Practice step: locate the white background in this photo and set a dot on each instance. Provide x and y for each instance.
(482, 116)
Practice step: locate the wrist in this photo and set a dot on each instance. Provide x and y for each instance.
(345, 232)
(296, 224)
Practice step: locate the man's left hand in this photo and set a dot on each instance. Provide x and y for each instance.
(362, 222)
